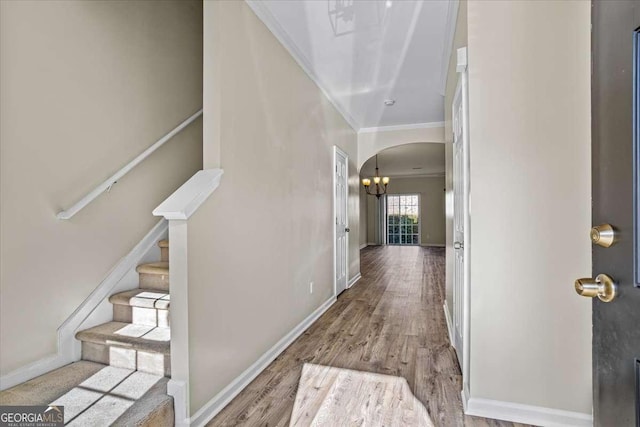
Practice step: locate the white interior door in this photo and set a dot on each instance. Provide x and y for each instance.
(341, 190)
(461, 223)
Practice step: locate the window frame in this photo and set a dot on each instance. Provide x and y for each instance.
(390, 236)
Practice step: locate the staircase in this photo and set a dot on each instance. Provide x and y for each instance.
(122, 378)
(139, 337)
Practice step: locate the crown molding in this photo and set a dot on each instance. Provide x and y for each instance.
(447, 46)
(267, 18)
(402, 127)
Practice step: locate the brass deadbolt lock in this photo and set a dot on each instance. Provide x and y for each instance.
(603, 235)
(602, 287)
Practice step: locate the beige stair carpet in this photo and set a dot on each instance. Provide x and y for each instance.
(97, 395)
(330, 396)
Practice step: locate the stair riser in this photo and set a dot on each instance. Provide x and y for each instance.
(164, 254)
(156, 282)
(162, 416)
(141, 316)
(128, 358)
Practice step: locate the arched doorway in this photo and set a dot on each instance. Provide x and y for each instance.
(412, 211)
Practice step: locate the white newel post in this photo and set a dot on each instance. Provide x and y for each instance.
(177, 209)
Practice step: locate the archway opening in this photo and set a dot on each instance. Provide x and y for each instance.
(412, 209)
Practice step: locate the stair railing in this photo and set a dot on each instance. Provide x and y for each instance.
(108, 183)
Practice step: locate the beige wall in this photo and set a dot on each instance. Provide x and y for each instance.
(86, 86)
(267, 231)
(459, 40)
(363, 216)
(371, 143)
(432, 221)
(373, 221)
(529, 91)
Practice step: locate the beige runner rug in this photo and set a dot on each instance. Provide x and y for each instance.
(330, 396)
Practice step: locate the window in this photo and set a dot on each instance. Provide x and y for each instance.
(403, 219)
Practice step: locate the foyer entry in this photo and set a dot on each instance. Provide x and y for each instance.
(391, 322)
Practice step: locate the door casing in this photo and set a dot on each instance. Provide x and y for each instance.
(461, 306)
(337, 153)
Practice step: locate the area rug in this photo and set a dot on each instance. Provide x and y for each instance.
(330, 396)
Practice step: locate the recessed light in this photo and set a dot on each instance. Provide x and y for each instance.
(389, 102)
(388, 4)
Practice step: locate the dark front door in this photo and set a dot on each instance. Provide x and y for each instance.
(616, 324)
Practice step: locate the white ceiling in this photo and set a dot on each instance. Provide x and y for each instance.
(420, 159)
(363, 52)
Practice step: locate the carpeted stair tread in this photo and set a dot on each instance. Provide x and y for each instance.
(127, 335)
(143, 298)
(154, 409)
(117, 396)
(158, 268)
(163, 243)
(96, 394)
(46, 388)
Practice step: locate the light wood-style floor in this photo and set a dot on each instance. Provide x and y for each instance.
(390, 322)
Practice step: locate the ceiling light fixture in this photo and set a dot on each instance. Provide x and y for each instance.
(388, 4)
(389, 102)
(366, 182)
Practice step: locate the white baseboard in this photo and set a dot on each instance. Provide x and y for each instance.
(465, 395)
(219, 401)
(433, 245)
(32, 370)
(353, 280)
(373, 244)
(449, 324)
(364, 245)
(68, 348)
(526, 414)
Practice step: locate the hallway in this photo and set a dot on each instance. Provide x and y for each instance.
(391, 322)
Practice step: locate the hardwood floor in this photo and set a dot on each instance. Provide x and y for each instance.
(390, 322)
(329, 396)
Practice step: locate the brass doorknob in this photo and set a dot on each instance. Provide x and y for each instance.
(603, 235)
(602, 287)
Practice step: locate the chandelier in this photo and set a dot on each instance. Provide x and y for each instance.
(380, 190)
